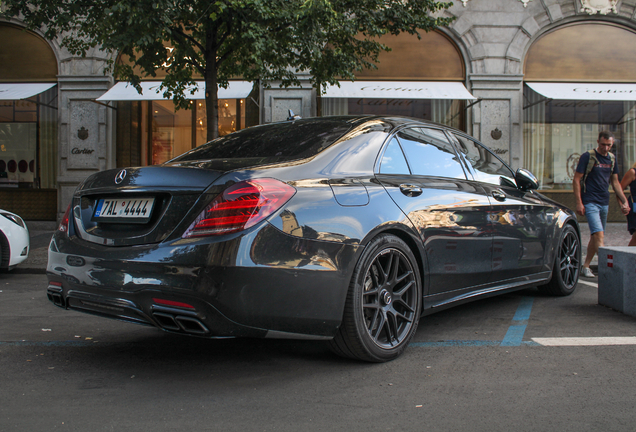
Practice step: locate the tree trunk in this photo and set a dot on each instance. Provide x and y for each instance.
(318, 100)
(211, 86)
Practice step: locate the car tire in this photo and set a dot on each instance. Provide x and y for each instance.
(383, 304)
(567, 264)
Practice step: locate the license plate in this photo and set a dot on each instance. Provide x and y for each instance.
(120, 209)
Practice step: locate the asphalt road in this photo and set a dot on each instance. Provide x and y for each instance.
(477, 367)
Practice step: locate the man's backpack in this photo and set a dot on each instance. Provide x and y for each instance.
(592, 162)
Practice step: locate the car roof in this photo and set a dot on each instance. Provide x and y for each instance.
(395, 121)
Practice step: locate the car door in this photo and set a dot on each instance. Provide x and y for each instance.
(423, 174)
(518, 219)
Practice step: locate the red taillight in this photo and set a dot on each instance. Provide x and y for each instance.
(172, 303)
(241, 206)
(64, 222)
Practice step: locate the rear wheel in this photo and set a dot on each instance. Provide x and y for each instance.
(567, 264)
(383, 304)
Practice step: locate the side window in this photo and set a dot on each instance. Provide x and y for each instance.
(487, 167)
(393, 161)
(429, 153)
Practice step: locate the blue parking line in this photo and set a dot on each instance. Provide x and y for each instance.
(514, 335)
(465, 343)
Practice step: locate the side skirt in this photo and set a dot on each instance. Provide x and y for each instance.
(443, 301)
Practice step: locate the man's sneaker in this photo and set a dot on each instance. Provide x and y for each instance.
(587, 272)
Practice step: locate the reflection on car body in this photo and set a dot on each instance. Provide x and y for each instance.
(345, 228)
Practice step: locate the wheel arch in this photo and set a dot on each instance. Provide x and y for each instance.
(412, 240)
(564, 218)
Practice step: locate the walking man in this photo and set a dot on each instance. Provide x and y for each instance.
(594, 173)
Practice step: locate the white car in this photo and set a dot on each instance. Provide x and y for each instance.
(14, 240)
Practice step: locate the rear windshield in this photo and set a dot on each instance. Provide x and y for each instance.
(272, 143)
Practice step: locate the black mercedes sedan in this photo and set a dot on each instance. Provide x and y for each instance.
(347, 229)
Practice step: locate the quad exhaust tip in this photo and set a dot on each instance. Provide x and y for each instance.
(54, 294)
(180, 323)
(168, 321)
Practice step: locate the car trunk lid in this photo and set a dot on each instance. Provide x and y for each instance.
(134, 206)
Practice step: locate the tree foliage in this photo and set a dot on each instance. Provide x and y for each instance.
(217, 40)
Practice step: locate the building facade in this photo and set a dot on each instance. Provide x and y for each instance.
(533, 79)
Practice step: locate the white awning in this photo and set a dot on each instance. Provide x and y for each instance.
(399, 90)
(22, 90)
(124, 91)
(585, 91)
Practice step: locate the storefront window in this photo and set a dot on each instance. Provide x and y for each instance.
(557, 132)
(171, 131)
(28, 141)
(231, 118)
(153, 132)
(445, 111)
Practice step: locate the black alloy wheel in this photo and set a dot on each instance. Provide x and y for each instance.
(383, 304)
(567, 264)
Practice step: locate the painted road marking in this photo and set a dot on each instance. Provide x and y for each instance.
(595, 285)
(465, 343)
(585, 341)
(515, 333)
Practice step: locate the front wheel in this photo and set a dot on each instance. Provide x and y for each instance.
(567, 264)
(383, 303)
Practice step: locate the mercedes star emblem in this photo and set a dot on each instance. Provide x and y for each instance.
(121, 175)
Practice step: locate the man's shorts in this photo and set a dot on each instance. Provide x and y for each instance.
(596, 217)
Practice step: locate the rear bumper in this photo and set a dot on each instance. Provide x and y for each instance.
(262, 284)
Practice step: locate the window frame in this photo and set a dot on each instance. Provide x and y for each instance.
(453, 137)
(394, 134)
(383, 153)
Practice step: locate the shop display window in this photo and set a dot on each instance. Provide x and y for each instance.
(444, 111)
(28, 142)
(557, 132)
(153, 132)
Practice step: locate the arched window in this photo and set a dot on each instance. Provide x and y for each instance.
(578, 82)
(28, 123)
(425, 73)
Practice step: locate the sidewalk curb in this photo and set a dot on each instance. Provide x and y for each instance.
(27, 270)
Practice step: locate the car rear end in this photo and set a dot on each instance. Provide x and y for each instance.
(188, 247)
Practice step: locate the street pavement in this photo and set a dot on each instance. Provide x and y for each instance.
(478, 367)
(492, 365)
(41, 232)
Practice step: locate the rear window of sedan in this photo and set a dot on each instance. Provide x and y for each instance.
(272, 143)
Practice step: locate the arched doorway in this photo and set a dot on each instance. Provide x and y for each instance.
(578, 81)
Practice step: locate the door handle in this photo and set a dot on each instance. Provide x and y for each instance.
(499, 195)
(410, 190)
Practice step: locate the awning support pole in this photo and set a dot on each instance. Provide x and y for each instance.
(43, 104)
(98, 103)
(467, 106)
(546, 100)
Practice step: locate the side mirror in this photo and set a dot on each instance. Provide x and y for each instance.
(526, 180)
